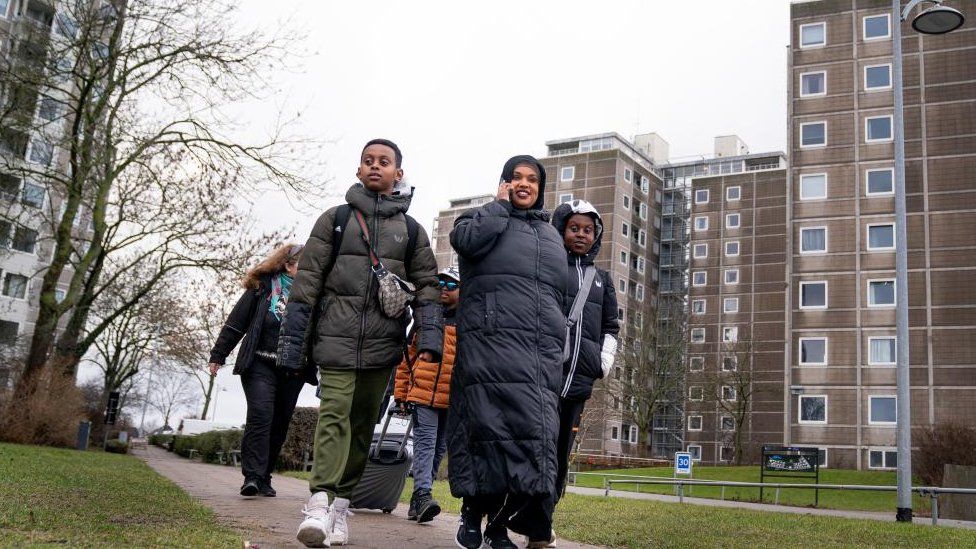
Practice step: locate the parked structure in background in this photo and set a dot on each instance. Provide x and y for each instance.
(841, 318)
(32, 121)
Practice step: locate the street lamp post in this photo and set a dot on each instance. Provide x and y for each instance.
(938, 19)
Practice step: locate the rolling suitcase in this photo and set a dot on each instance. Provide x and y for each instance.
(386, 470)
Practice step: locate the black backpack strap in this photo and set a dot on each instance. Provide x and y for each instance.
(413, 229)
(338, 230)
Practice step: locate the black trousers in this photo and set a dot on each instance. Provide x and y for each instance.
(534, 518)
(271, 398)
(501, 509)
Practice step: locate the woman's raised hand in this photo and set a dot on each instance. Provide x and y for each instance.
(503, 189)
(213, 368)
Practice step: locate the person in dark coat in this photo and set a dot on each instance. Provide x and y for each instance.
(271, 393)
(503, 425)
(593, 346)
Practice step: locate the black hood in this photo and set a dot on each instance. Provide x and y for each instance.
(566, 210)
(508, 172)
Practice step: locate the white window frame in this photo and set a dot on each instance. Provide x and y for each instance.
(817, 45)
(735, 364)
(698, 330)
(628, 175)
(642, 211)
(894, 355)
(694, 275)
(625, 201)
(623, 258)
(642, 238)
(562, 173)
(707, 196)
(864, 27)
(826, 304)
(565, 197)
(633, 434)
(864, 76)
(639, 292)
(891, 124)
(738, 248)
(698, 227)
(825, 186)
(694, 452)
(625, 229)
(884, 457)
(822, 464)
(622, 285)
(641, 264)
(645, 184)
(867, 237)
(694, 251)
(701, 362)
(885, 305)
(867, 180)
(730, 334)
(702, 302)
(721, 424)
(732, 393)
(799, 410)
(701, 423)
(725, 276)
(27, 285)
(725, 305)
(815, 145)
(821, 94)
(614, 432)
(826, 240)
(799, 351)
(738, 220)
(872, 421)
(738, 190)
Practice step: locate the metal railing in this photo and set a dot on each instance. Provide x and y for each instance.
(932, 492)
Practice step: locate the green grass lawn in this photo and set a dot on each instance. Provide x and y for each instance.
(618, 522)
(52, 496)
(829, 499)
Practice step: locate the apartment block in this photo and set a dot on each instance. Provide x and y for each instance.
(840, 306)
(441, 234)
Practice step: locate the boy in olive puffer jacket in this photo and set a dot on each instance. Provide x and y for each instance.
(354, 344)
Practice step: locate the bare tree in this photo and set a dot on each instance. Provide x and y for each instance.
(732, 389)
(139, 152)
(172, 392)
(652, 358)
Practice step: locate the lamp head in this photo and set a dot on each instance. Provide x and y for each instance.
(938, 19)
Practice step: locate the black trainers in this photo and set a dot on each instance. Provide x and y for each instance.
(265, 489)
(499, 540)
(250, 488)
(412, 511)
(469, 530)
(427, 507)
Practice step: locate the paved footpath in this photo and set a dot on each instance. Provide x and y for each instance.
(766, 507)
(272, 522)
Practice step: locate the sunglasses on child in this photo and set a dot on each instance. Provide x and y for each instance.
(449, 286)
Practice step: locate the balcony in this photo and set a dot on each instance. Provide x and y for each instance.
(674, 260)
(673, 287)
(674, 235)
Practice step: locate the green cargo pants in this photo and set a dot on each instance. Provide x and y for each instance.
(347, 413)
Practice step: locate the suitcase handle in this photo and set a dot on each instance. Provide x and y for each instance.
(403, 443)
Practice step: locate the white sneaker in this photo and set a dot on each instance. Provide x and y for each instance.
(314, 530)
(340, 528)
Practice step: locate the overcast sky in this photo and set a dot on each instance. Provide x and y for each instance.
(462, 86)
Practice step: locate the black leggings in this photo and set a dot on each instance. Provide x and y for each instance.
(271, 397)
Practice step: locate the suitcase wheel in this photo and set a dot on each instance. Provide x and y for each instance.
(387, 511)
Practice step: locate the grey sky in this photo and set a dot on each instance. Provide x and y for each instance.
(461, 86)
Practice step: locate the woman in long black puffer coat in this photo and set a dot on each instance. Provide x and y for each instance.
(503, 424)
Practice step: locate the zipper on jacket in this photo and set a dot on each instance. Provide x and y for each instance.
(538, 331)
(577, 336)
(369, 288)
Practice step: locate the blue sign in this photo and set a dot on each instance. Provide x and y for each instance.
(682, 463)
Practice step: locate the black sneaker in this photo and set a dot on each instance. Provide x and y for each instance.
(499, 540)
(469, 530)
(250, 488)
(265, 489)
(427, 507)
(412, 511)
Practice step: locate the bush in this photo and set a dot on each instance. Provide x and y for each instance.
(301, 435)
(162, 440)
(208, 445)
(945, 443)
(47, 416)
(117, 447)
